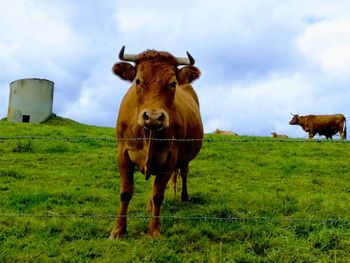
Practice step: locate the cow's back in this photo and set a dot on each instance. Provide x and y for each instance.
(322, 121)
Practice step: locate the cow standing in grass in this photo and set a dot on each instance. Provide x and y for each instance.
(158, 111)
(327, 125)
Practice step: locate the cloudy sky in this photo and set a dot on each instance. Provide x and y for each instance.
(260, 59)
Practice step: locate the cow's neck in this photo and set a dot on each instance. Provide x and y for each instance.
(149, 155)
(157, 150)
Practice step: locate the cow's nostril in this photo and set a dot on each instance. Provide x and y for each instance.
(145, 116)
(161, 118)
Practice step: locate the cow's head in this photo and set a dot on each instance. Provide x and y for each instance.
(295, 120)
(155, 76)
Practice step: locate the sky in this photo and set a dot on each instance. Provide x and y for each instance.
(261, 60)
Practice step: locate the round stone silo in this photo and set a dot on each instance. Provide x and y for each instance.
(30, 100)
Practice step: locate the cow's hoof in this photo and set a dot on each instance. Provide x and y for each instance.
(185, 198)
(154, 233)
(116, 234)
(112, 237)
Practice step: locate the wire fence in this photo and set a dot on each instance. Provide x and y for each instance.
(68, 139)
(227, 220)
(208, 139)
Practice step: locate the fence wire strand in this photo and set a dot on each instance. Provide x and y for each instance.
(113, 139)
(189, 218)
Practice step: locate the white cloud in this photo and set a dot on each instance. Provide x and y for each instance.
(100, 94)
(327, 44)
(337, 57)
(258, 108)
(37, 29)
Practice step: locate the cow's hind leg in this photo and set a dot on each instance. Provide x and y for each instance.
(184, 173)
(126, 170)
(342, 133)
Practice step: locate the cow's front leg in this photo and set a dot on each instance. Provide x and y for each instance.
(311, 134)
(157, 198)
(126, 170)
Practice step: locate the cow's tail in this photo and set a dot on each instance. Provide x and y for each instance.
(175, 175)
(345, 129)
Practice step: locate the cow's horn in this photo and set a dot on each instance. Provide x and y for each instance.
(185, 61)
(126, 57)
(293, 114)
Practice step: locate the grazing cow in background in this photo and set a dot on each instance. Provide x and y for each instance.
(327, 125)
(156, 116)
(281, 136)
(221, 132)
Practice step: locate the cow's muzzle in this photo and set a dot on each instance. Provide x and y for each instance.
(154, 120)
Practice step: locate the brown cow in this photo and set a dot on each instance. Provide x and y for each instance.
(327, 125)
(281, 136)
(158, 111)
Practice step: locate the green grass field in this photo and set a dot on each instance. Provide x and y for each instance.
(252, 199)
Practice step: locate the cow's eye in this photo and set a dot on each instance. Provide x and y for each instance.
(172, 85)
(138, 82)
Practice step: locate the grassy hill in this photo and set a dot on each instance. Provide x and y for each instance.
(253, 199)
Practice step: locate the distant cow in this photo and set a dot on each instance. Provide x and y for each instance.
(221, 132)
(156, 116)
(327, 125)
(281, 136)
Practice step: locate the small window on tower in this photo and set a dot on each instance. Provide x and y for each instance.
(25, 118)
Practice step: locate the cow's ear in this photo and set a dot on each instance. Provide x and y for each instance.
(124, 70)
(188, 74)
